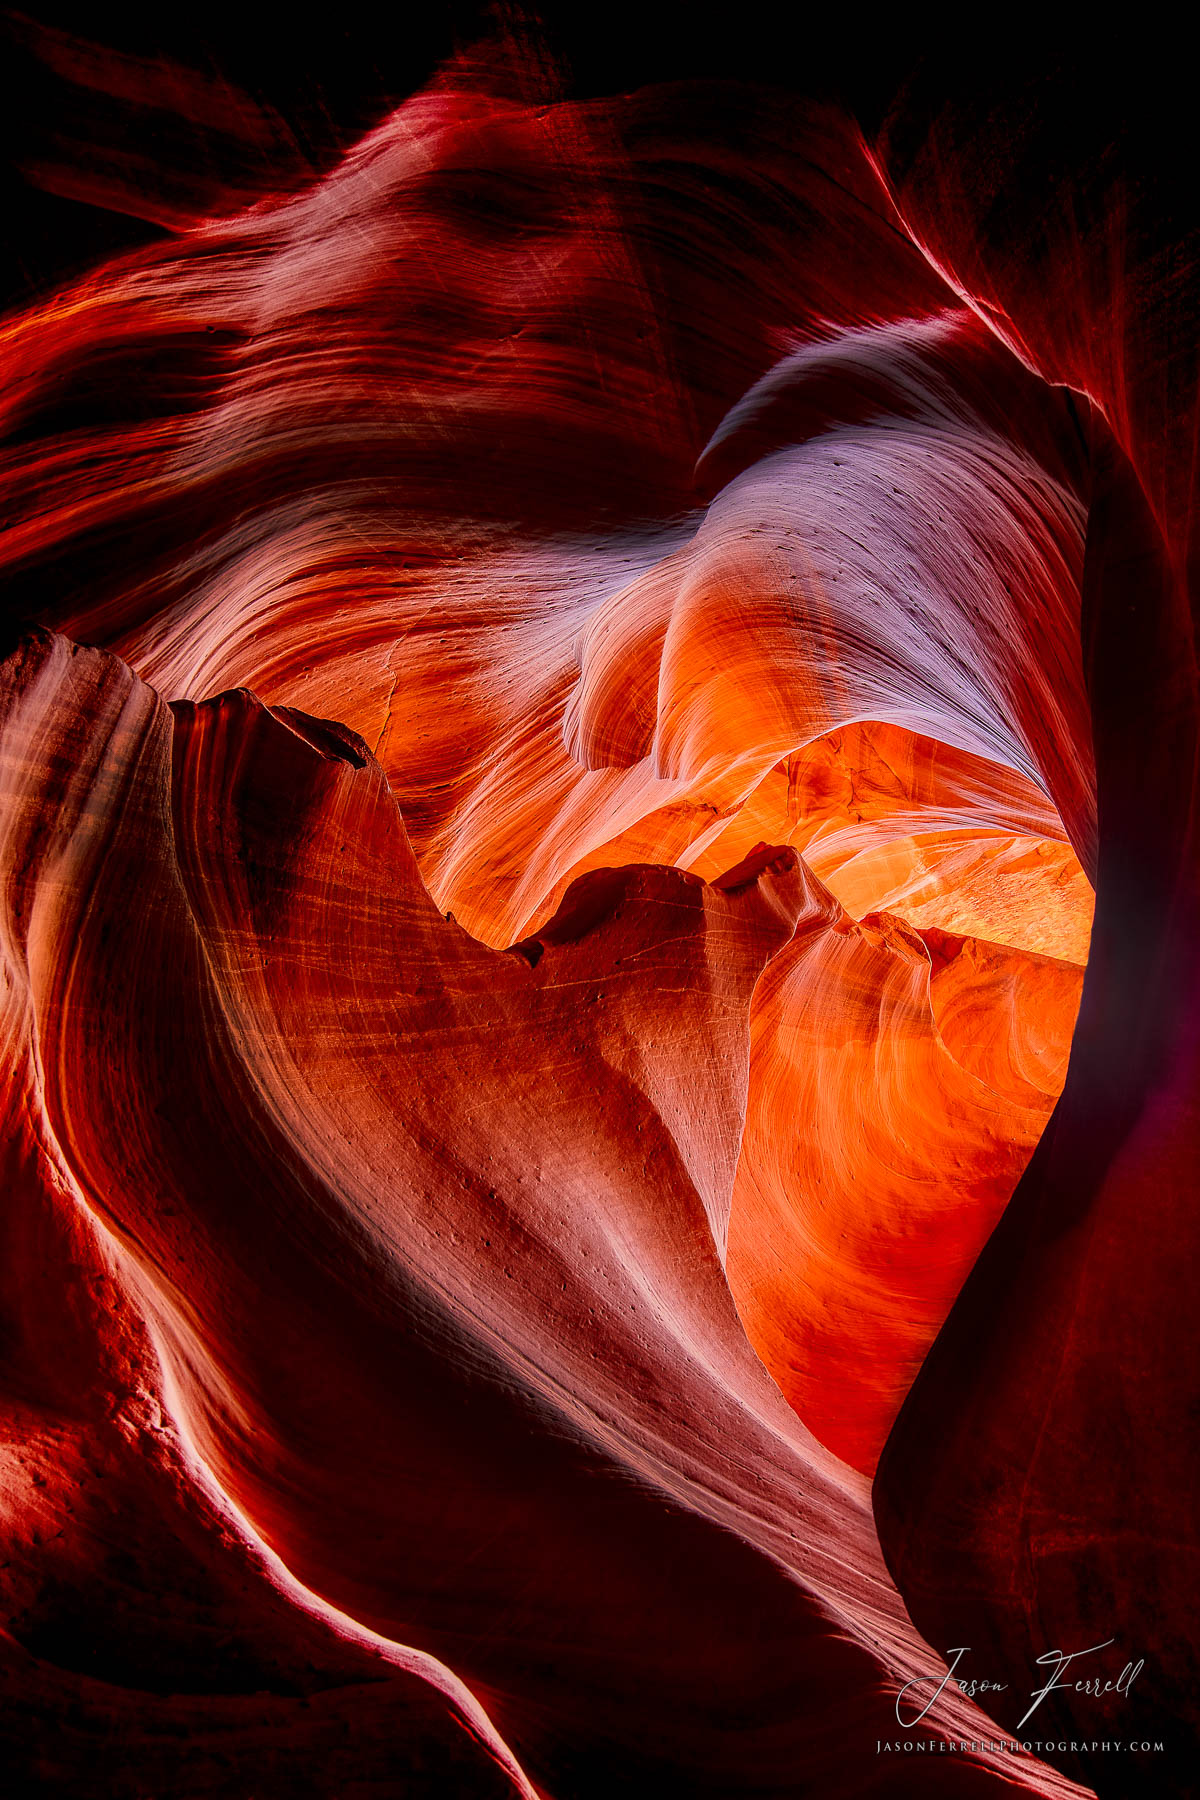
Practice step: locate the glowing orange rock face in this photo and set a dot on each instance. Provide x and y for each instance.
(542, 941)
(900, 1078)
(897, 1090)
(895, 822)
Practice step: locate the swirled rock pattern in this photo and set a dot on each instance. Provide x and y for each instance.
(575, 684)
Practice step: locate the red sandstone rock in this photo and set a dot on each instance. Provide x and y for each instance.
(629, 935)
(420, 1246)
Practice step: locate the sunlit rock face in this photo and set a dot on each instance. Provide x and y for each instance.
(552, 795)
